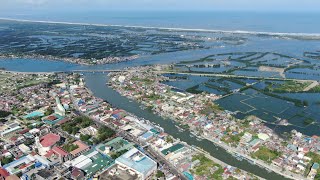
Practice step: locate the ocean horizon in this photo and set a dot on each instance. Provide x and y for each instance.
(270, 22)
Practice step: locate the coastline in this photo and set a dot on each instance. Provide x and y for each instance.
(297, 34)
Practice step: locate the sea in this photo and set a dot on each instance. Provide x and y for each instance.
(287, 23)
(274, 22)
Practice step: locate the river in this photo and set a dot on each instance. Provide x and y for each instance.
(97, 84)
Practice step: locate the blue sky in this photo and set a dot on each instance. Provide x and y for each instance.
(221, 5)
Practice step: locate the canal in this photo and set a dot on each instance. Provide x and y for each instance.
(97, 84)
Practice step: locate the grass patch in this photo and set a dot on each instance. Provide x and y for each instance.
(288, 86)
(70, 147)
(266, 154)
(206, 168)
(315, 158)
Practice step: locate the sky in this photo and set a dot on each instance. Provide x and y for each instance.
(23, 6)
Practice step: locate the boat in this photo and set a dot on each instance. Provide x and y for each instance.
(237, 156)
(179, 128)
(199, 139)
(251, 161)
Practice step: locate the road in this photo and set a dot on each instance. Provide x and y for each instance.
(149, 151)
(312, 85)
(234, 76)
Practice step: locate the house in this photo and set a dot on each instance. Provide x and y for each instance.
(81, 148)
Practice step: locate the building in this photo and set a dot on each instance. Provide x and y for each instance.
(3, 174)
(45, 143)
(10, 131)
(136, 162)
(115, 145)
(20, 165)
(59, 109)
(58, 153)
(25, 149)
(80, 150)
(90, 162)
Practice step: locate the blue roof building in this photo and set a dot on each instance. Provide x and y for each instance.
(137, 162)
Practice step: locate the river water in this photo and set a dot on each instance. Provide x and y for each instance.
(97, 84)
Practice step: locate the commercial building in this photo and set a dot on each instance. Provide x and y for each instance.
(136, 162)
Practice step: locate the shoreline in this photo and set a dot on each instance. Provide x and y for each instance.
(79, 61)
(294, 34)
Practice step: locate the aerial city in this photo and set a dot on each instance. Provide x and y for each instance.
(159, 90)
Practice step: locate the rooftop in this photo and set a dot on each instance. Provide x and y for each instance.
(138, 161)
(172, 149)
(60, 151)
(49, 140)
(81, 147)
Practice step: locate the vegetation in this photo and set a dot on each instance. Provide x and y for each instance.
(232, 139)
(86, 138)
(194, 90)
(104, 133)
(4, 114)
(72, 127)
(207, 168)
(287, 86)
(6, 160)
(48, 111)
(266, 154)
(315, 89)
(70, 147)
(118, 154)
(154, 97)
(211, 107)
(159, 174)
(169, 139)
(308, 121)
(315, 158)
(146, 81)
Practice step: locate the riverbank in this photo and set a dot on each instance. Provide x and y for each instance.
(96, 82)
(80, 61)
(170, 149)
(196, 111)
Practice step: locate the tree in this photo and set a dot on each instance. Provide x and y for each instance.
(84, 137)
(6, 160)
(48, 111)
(105, 133)
(159, 174)
(169, 139)
(4, 114)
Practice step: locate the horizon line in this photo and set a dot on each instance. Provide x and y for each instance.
(297, 34)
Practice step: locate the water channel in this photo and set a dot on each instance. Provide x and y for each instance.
(97, 84)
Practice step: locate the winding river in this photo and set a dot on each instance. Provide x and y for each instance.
(97, 84)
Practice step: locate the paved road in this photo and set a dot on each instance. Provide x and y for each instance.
(149, 151)
(234, 76)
